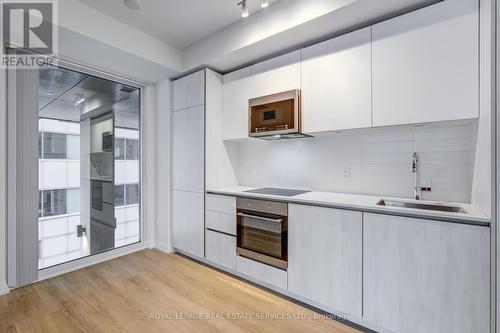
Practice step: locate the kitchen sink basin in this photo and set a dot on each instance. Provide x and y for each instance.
(418, 205)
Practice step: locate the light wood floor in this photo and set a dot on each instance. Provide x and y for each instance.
(122, 295)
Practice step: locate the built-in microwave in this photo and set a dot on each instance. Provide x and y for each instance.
(276, 116)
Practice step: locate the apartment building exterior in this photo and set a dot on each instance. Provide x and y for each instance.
(59, 191)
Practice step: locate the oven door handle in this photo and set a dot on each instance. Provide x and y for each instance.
(260, 218)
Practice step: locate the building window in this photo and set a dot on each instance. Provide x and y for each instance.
(132, 194)
(53, 146)
(58, 202)
(119, 149)
(132, 149)
(127, 195)
(52, 202)
(126, 149)
(119, 195)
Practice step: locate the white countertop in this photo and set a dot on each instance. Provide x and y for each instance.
(364, 203)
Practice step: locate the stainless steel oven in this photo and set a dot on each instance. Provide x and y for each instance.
(262, 231)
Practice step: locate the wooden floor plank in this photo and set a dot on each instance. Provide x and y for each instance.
(149, 291)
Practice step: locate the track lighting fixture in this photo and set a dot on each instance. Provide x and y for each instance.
(244, 6)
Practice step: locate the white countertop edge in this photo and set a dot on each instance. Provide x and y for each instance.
(364, 203)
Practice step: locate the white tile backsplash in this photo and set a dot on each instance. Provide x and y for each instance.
(376, 161)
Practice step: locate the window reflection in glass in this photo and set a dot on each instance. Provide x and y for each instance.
(132, 194)
(54, 146)
(132, 149)
(119, 149)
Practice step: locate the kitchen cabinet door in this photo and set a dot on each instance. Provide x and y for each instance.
(235, 95)
(276, 75)
(325, 256)
(188, 149)
(221, 249)
(426, 276)
(336, 83)
(189, 91)
(426, 65)
(188, 223)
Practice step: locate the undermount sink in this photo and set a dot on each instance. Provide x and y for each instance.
(418, 205)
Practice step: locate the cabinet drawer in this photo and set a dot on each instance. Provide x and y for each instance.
(221, 249)
(267, 274)
(221, 203)
(221, 222)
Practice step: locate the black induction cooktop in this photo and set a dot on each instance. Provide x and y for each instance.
(284, 192)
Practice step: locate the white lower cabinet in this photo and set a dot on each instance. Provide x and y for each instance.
(221, 222)
(221, 249)
(262, 272)
(325, 257)
(188, 222)
(424, 276)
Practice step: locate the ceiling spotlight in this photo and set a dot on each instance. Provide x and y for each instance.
(244, 8)
(131, 4)
(264, 4)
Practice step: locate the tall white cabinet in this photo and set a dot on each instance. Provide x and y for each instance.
(188, 164)
(426, 65)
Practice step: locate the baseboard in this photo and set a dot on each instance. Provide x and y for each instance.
(89, 261)
(164, 247)
(4, 289)
(343, 318)
(151, 244)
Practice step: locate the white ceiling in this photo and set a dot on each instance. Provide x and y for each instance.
(179, 23)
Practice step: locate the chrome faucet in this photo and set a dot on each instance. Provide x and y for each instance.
(415, 167)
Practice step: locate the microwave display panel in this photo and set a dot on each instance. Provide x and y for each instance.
(269, 115)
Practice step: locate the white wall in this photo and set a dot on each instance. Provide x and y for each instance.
(374, 161)
(482, 185)
(148, 170)
(163, 121)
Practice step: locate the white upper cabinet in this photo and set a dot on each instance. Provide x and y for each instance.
(235, 95)
(336, 83)
(189, 91)
(425, 65)
(276, 75)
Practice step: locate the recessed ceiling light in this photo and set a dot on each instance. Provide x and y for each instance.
(131, 4)
(264, 4)
(79, 99)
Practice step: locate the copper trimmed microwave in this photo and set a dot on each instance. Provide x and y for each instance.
(276, 116)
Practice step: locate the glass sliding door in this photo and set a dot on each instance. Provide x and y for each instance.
(89, 158)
